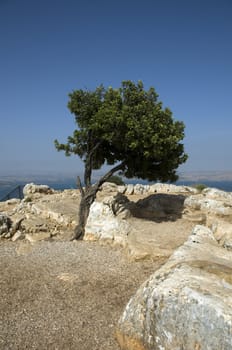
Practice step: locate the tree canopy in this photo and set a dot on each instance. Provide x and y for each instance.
(127, 126)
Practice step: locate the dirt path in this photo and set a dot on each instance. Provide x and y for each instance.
(64, 295)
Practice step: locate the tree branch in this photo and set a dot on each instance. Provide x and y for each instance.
(95, 148)
(105, 177)
(79, 184)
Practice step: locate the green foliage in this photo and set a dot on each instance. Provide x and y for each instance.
(200, 187)
(128, 126)
(116, 180)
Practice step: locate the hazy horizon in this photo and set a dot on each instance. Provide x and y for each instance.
(50, 176)
(9, 182)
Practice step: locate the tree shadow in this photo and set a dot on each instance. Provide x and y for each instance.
(158, 207)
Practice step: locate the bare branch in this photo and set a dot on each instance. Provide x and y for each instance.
(79, 185)
(105, 177)
(94, 148)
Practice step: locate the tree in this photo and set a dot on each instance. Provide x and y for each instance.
(126, 128)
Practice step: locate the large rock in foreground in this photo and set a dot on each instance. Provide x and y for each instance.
(187, 304)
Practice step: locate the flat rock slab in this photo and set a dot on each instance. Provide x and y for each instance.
(154, 240)
(62, 207)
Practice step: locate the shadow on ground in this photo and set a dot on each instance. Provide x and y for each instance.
(158, 207)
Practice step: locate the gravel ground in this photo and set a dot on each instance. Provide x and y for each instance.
(64, 295)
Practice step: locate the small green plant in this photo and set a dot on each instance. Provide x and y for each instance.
(115, 179)
(200, 187)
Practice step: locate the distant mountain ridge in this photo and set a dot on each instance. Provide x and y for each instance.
(206, 175)
(219, 179)
(56, 177)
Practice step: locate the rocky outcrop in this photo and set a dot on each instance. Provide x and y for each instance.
(149, 221)
(169, 188)
(5, 225)
(212, 208)
(139, 189)
(151, 228)
(217, 194)
(8, 228)
(186, 304)
(31, 189)
(43, 214)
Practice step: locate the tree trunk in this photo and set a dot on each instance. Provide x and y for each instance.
(87, 198)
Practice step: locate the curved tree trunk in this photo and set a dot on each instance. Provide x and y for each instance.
(88, 196)
(87, 199)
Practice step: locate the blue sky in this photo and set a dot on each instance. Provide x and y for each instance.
(52, 47)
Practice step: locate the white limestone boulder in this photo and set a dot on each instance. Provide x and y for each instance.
(122, 189)
(140, 189)
(61, 207)
(32, 188)
(170, 188)
(106, 221)
(215, 193)
(129, 189)
(220, 206)
(109, 187)
(186, 304)
(222, 232)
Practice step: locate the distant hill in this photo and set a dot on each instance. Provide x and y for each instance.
(201, 176)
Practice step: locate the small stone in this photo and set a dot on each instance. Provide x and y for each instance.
(130, 189)
(18, 234)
